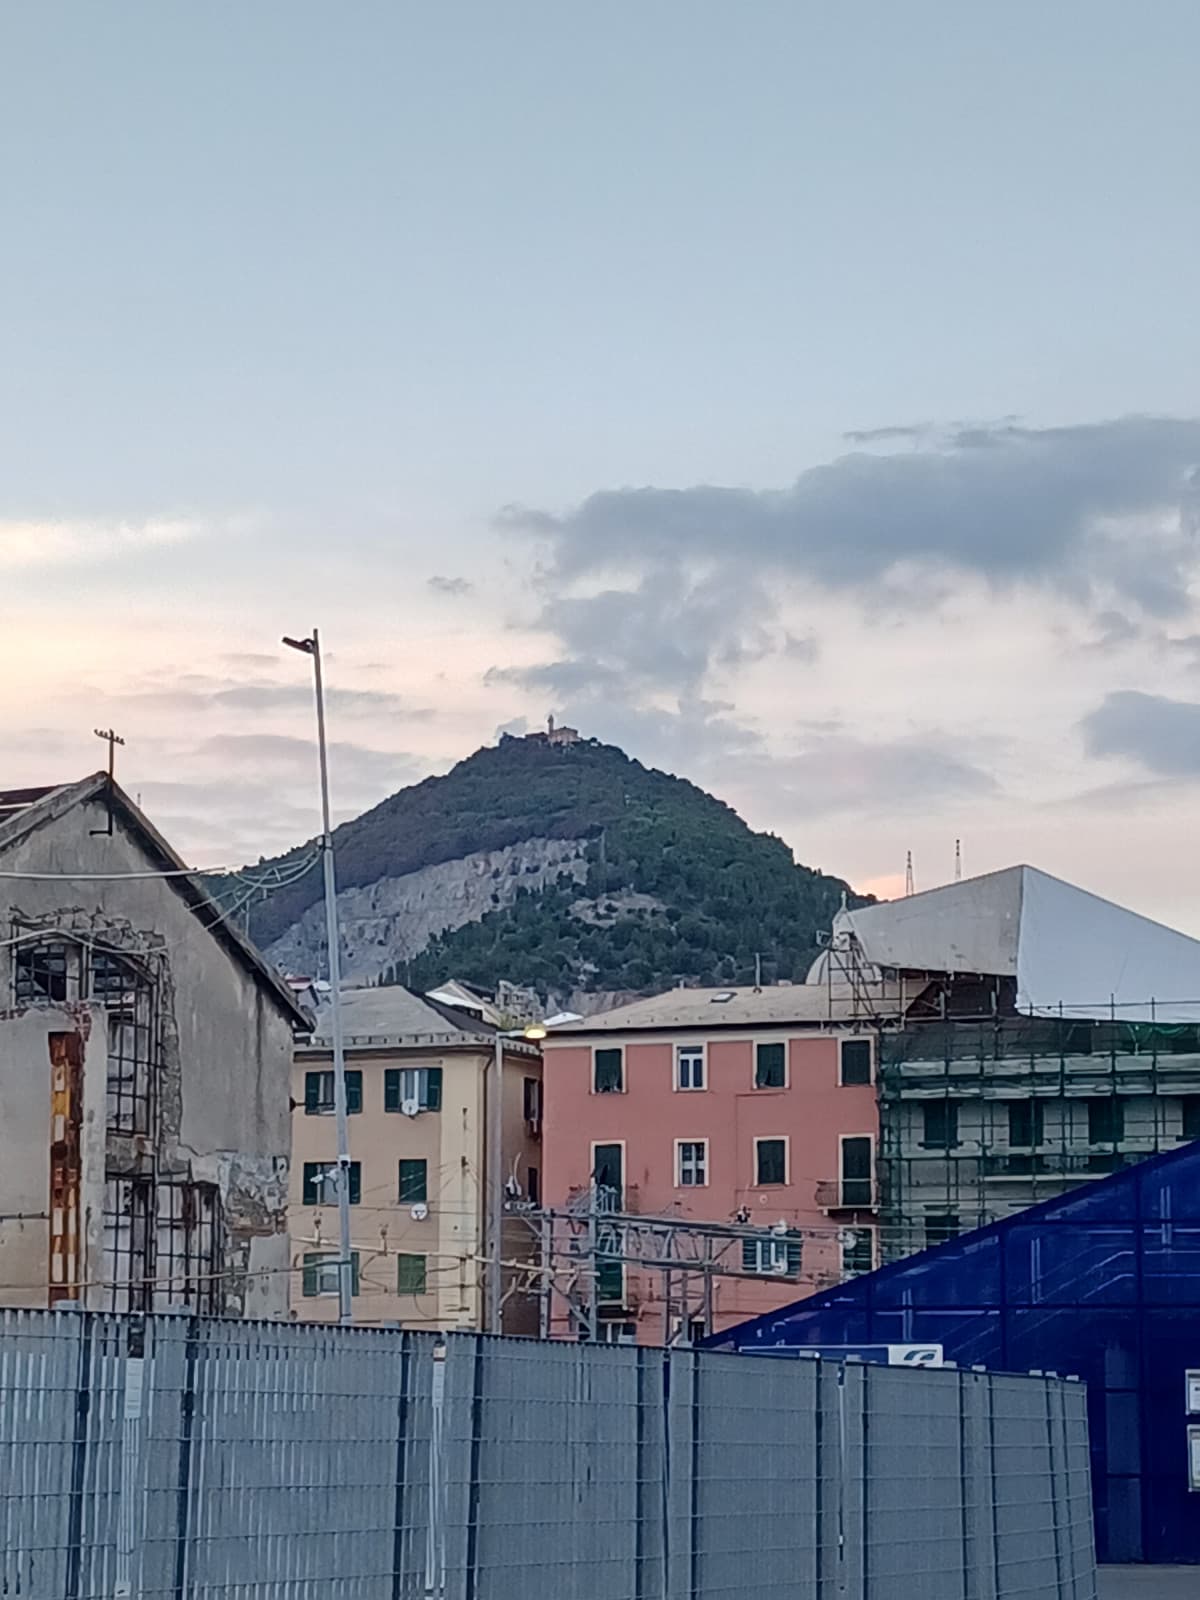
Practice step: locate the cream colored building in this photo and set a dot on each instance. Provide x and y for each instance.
(420, 1077)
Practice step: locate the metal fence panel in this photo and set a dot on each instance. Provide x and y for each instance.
(179, 1458)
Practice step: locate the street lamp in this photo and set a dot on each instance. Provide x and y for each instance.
(312, 647)
(535, 1031)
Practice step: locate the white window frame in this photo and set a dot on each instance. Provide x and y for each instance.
(857, 1038)
(771, 1256)
(691, 1052)
(596, 1049)
(774, 1138)
(698, 1167)
(617, 1331)
(841, 1180)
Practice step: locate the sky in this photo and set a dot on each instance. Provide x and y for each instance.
(803, 397)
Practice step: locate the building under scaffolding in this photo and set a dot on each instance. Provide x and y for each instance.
(984, 1115)
(1004, 1084)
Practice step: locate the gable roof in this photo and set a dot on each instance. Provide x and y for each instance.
(772, 1004)
(395, 1016)
(49, 805)
(1088, 1202)
(1064, 946)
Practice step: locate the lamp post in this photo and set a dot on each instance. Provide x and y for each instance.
(495, 1231)
(312, 647)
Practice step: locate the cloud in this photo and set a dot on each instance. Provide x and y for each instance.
(450, 586)
(1160, 734)
(650, 591)
(197, 695)
(54, 543)
(1074, 509)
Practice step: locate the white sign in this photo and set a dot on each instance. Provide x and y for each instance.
(915, 1355)
(1193, 1394)
(1194, 1459)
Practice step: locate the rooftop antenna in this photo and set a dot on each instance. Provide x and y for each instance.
(958, 860)
(757, 972)
(909, 886)
(112, 739)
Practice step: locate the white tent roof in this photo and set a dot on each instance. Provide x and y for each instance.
(1064, 946)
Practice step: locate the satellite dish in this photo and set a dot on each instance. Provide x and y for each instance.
(420, 1211)
(410, 1107)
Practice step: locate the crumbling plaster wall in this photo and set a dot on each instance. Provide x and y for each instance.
(223, 1093)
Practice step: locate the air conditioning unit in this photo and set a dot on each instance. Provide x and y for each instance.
(410, 1107)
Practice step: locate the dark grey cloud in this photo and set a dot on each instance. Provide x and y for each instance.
(647, 590)
(1160, 734)
(450, 586)
(1008, 503)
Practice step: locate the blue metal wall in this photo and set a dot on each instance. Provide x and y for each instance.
(1103, 1283)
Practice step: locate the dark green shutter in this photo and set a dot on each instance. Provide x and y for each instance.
(310, 1277)
(414, 1183)
(391, 1089)
(770, 1071)
(411, 1274)
(353, 1092)
(312, 1092)
(433, 1089)
(353, 1271)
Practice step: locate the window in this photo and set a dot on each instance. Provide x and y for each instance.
(1106, 1120)
(858, 1252)
(770, 1066)
(1026, 1124)
(691, 1163)
(45, 969)
(531, 1092)
(855, 1062)
(411, 1274)
(320, 1183)
(689, 1066)
(608, 1068)
(1191, 1116)
(318, 1093)
(419, 1085)
(618, 1332)
(857, 1176)
(774, 1255)
(321, 1275)
(770, 1162)
(533, 1186)
(940, 1227)
(939, 1125)
(414, 1182)
(608, 1174)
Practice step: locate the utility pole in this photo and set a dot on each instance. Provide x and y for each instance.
(312, 647)
(909, 884)
(495, 1164)
(112, 739)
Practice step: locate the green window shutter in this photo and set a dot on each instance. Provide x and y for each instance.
(411, 1274)
(433, 1089)
(355, 1182)
(856, 1062)
(414, 1182)
(312, 1187)
(310, 1277)
(353, 1092)
(391, 1089)
(312, 1093)
(353, 1271)
(793, 1257)
(608, 1070)
(749, 1255)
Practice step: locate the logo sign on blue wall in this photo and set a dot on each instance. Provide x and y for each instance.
(879, 1355)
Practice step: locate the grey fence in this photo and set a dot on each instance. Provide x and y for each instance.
(265, 1462)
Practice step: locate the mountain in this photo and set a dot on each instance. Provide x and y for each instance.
(569, 868)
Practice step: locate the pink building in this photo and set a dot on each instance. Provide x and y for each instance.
(752, 1111)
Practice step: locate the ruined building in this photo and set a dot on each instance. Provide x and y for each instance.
(145, 1062)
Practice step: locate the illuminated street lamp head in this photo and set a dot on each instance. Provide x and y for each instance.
(535, 1030)
(305, 646)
